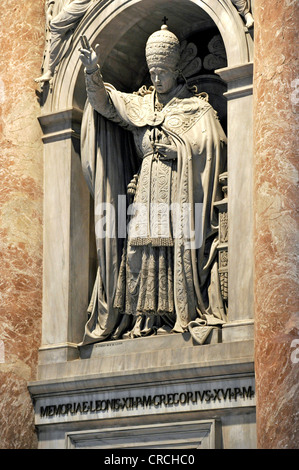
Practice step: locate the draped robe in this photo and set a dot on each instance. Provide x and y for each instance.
(62, 27)
(156, 278)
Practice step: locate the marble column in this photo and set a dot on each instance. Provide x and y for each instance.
(21, 216)
(276, 97)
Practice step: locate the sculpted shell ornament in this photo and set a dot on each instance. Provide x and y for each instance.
(190, 64)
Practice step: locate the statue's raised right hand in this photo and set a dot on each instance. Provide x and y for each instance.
(88, 56)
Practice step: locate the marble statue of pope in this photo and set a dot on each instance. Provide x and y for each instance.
(163, 274)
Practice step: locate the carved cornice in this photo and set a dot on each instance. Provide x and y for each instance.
(239, 80)
(61, 125)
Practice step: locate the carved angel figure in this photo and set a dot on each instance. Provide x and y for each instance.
(159, 278)
(61, 28)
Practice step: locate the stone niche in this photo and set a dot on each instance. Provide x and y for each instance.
(162, 391)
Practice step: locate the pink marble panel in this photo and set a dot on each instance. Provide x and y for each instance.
(21, 193)
(276, 222)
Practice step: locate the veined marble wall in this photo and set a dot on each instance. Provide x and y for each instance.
(21, 202)
(276, 97)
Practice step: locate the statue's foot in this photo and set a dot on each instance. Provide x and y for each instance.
(44, 78)
(164, 330)
(249, 20)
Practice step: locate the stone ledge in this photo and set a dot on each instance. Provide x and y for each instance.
(166, 365)
(145, 344)
(236, 73)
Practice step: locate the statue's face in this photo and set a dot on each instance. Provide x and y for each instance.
(164, 80)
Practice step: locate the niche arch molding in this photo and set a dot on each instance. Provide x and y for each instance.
(109, 21)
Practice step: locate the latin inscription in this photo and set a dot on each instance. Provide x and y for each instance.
(131, 403)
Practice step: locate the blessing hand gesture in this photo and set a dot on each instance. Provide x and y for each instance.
(89, 57)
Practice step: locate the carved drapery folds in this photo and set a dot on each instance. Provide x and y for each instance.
(182, 148)
(62, 18)
(244, 9)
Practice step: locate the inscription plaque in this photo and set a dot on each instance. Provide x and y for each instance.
(200, 396)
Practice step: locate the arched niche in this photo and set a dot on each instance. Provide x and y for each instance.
(122, 28)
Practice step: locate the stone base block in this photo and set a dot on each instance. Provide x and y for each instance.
(149, 393)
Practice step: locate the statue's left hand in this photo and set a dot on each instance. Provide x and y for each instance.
(88, 56)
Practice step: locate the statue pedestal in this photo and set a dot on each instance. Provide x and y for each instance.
(150, 344)
(128, 393)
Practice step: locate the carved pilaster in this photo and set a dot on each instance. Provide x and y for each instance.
(223, 239)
